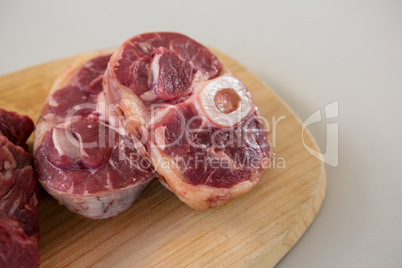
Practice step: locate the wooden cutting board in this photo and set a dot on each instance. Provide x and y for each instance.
(257, 229)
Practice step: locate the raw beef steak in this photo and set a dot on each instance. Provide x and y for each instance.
(82, 157)
(16, 248)
(198, 122)
(19, 225)
(16, 127)
(19, 188)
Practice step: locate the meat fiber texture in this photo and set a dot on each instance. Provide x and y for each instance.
(82, 157)
(198, 123)
(17, 128)
(16, 248)
(19, 226)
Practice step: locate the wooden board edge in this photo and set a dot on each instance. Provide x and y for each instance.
(284, 245)
(286, 242)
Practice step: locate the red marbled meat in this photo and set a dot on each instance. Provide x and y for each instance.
(16, 127)
(16, 249)
(198, 122)
(82, 158)
(19, 225)
(19, 190)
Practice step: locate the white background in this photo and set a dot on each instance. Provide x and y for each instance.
(311, 53)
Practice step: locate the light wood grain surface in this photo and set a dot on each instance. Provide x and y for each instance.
(257, 229)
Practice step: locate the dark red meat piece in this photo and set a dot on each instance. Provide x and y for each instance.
(16, 127)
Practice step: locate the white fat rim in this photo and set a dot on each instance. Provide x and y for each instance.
(207, 96)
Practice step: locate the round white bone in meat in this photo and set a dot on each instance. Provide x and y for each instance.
(225, 100)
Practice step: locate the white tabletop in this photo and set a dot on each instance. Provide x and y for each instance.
(311, 54)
